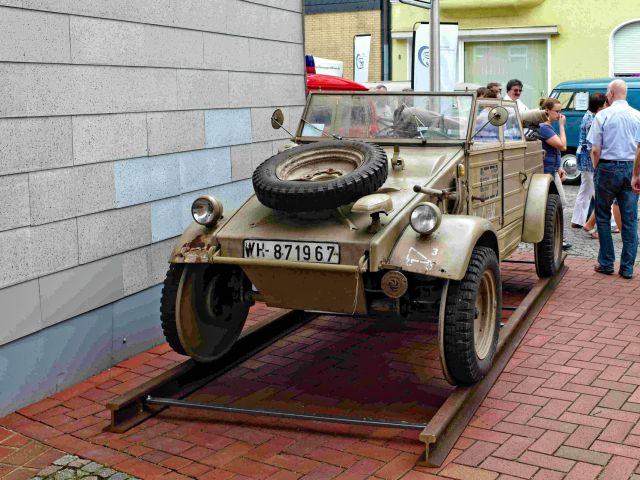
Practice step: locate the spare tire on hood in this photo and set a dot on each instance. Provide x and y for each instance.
(320, 176)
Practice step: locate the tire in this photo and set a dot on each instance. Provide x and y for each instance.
(548, 252)
(472, 318)
(320, 176)
(168, 307)
(203, 309)
(569, 163)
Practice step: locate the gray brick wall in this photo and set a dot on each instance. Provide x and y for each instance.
(108, 108)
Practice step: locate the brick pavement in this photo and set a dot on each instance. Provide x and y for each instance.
(566, 406)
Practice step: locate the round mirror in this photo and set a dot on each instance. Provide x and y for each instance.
(277, 119)
(498, 116)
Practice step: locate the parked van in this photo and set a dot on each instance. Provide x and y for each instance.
(574, 97)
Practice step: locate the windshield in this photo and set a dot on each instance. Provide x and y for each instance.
(380, 116)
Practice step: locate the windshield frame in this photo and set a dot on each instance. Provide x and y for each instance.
(388, 140)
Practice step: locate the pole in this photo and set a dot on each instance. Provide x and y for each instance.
(434, 51)
(386, 45)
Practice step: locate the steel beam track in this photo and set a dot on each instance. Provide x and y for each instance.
(130, 409)
(439, 434)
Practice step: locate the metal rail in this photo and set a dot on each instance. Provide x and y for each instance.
(371, 422)
(130, 409)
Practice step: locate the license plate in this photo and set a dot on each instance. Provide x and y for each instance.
(312, 252)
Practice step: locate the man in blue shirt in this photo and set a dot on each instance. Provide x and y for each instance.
(612, 135)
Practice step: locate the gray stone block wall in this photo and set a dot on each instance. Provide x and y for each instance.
(114, 116)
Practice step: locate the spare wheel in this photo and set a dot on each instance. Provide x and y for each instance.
(320, 176)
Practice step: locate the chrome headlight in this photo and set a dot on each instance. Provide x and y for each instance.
(425, 218)
(206, 210)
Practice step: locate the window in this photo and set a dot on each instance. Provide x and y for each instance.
(500, 61)
(484, 132)
(512, 131)
(566, 100)
(626, 49)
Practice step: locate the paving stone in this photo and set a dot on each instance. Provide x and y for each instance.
(45, 472)
(66, 460)
(105, 473)
(81, 462)
(92, 467)
(119, 476)
(65, 474)
(581, 455)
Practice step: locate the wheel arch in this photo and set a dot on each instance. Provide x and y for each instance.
(446, 252)
(540, 186)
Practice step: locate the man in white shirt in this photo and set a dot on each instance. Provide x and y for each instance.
(514, 90)
(614, 146)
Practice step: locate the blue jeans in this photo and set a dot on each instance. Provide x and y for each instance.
(613, 181)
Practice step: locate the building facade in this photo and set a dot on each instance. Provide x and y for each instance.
(541, 42)
(331, 26)
(114, 117)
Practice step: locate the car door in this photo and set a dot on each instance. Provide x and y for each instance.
(485, 166)
(514, 179)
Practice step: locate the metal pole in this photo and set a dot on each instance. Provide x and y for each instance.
(434, 51)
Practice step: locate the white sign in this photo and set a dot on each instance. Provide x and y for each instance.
(361, 48)
(582, 100)
(448, 57)
(329, 67)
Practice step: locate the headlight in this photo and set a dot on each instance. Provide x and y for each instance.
(206, 210)
(425, 218)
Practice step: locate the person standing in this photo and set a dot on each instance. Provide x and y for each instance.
(583, 154)
(613, 136)
(514, 90)
(553, 143)
(495, 87)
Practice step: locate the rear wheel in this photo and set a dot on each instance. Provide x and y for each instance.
(548, 252)
(472, 319)
(203, 309)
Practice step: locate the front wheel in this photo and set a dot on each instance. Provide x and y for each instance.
(548, 252)
(203, 309)
(472, 319)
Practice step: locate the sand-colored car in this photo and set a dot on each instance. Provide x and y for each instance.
(384, 204)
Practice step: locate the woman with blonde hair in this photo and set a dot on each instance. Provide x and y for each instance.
(553, 143)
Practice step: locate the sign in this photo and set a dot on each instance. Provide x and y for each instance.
(448, 57)
(582, 101)
(361, 48)
(329, 67)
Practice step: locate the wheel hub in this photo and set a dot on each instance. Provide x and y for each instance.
(209, 312)
(485, 314)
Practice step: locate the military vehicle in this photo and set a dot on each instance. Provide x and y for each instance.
(383, 204)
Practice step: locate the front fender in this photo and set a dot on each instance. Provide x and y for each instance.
(446, 252)
(535, 208)
(195, 243)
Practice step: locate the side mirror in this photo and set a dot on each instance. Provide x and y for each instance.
(498, 116)
(277, 119)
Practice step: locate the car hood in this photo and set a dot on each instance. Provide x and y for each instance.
(421, 166)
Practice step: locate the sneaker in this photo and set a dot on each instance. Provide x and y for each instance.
(625, 276)
(566, 245)
(575, 225)
(599, 269)
(615, 229)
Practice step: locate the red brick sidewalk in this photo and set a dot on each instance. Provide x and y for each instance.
(566, 406)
